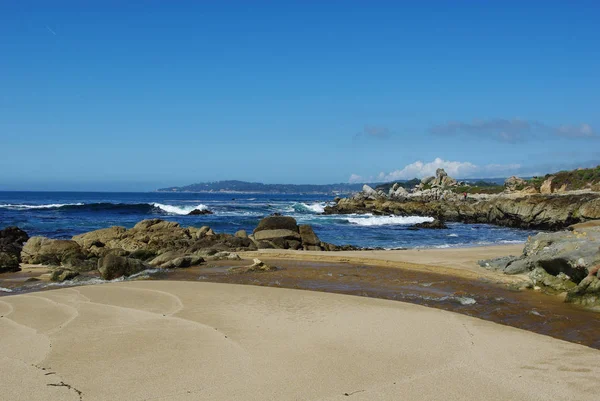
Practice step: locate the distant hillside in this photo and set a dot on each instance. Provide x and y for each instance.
(257, 187)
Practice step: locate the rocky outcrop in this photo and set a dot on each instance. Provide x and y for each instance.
(281, 232)
(11, 244)
(56, 252)
(514, 183)
(564, 261)
(442, 179)
(548, 212)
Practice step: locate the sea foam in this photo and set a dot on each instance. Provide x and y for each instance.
(371, 220)
(48, 206)
(181, 210)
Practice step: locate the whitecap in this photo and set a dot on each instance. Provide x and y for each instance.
(48, 206)
(370, 220)
(181, 210)
(452, 235)
(2, 289)
(318, 207)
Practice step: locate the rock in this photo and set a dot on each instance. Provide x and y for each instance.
(308, 236)
(275, 231)
(63, 275)
(142, 254)
(515, 183)
(435, 225)
(257, 266)
(41, 250)
(112, 266)
(221, 256)
(497, 263)
(182, 262)
(427, 180)
(241, 234)
(277, 223)
(199, 212)
(11, 244)
(273, 234)
(442, 179)
(546, 187)
(369, 192)
(165, 257)
(559, 283)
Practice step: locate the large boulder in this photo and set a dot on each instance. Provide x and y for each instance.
(281, 232)
(310, 241)
(113, 266)
(370, 193)
(46, 251)
(11, 244)
(277, 230)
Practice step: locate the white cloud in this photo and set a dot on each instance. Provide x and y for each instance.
(355, 178)
(455, 169)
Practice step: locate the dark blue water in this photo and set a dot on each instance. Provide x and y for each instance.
(64, 214)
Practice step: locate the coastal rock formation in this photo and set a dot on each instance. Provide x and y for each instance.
(117, 251)
(41, 250)
(563, 261)
(548, 212)
(11, 243)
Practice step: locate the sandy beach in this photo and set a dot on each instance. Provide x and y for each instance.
(162, 340)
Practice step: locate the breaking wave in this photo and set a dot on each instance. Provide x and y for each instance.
(317, 208)
(371, 220)
(139, 208)
(182, 210)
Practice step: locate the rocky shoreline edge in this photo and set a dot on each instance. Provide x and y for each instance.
(565, 262)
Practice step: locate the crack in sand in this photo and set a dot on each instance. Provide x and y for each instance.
(63, 384)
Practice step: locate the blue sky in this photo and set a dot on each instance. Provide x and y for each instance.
(99, 95)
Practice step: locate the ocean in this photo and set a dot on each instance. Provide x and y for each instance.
(64, 214)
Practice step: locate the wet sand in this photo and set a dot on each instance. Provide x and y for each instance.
(168, 340)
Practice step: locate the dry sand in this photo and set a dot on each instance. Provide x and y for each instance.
(161, 340)
(453, 261)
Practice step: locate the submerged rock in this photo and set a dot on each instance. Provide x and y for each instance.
(199, 212)
(257, 266)
(432, 225)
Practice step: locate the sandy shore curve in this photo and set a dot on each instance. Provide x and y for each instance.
(166, 340)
